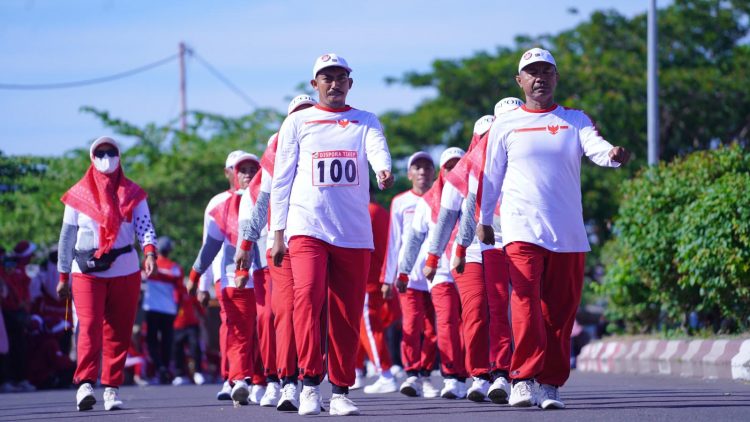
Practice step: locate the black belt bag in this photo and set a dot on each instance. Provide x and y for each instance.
(88, 264)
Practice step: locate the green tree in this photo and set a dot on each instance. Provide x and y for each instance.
(683, 244)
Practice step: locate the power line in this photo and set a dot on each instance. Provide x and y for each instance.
(223, 79)
(93, 81)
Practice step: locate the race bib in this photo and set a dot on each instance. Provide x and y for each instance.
(335, 168)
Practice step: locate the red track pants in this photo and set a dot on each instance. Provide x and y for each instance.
(546, 293)
(418, 319)
(282, 302)
(475, 318)
(448, 321)
(266, 332)
(376, 317)
(106, 310)
(239, 305)
(498, 293)
(321, 269)
(224, 363)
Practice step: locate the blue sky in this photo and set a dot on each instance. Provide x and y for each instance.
(264, 47)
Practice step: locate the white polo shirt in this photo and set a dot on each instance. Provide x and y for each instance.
(320, 186)
(534, 159)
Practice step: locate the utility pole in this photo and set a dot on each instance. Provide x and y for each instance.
(652, 87)
(183, 100)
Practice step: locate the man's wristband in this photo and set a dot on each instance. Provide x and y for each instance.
(241, 272)
(432, 260)
(194, 276)
(461, 251)
(149, 250)
(246, 245)
(403, 277)
(64, 278)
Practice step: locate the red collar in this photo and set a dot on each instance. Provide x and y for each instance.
(546, 110)
(333, 110)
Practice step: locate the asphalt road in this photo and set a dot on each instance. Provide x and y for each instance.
(589, 397)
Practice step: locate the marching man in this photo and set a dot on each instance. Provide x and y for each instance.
(534, 159)
(319, 208)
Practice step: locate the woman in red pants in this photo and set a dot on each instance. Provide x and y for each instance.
(104, 212)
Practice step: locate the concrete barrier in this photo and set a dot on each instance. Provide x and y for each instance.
(712, 359)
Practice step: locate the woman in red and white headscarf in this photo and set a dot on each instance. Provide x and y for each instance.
(104, 212)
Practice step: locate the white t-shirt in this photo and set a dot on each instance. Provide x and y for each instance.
(320, 186)
(451, 199)
(87, 238)
(402, 214)
(226, 265)
(422, 223)
(534, 159)
(246, 209)
(209, 277)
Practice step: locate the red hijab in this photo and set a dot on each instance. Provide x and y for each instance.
(109, 199)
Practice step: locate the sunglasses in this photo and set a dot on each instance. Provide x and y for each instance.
(101, 153)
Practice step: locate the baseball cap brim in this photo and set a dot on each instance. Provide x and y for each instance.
(419, 155)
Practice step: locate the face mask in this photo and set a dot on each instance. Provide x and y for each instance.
(106, 164)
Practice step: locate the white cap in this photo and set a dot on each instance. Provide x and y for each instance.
(298, 101)
(483, 124)
(416, 156)
(330, 60)
(534, 55)
(231, 158)
(102, 140)
(244, 156)
(507, 104)
(449, 154)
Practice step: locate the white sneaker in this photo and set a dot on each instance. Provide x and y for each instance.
(382, 385)
(453, 389)
(240, 393)
(225, 393)
(359, 379)
(178, 381)
(549, 397)
(499, 391)
(523, 394)
(309, 400)
(412, 387)
(397, 371)
(370, 369)
(288, 401)
(256, 393)
(85, 399)
(112, 399)
(478, 390)
(341, 406)
(271, 396)
(429, 391)
(199, 379)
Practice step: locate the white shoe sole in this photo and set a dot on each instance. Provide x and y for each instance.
(552, 405)
(87, 403)
(523, 403)
(347, 413)
(115, 406)
(309, 412)
(268, 403)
